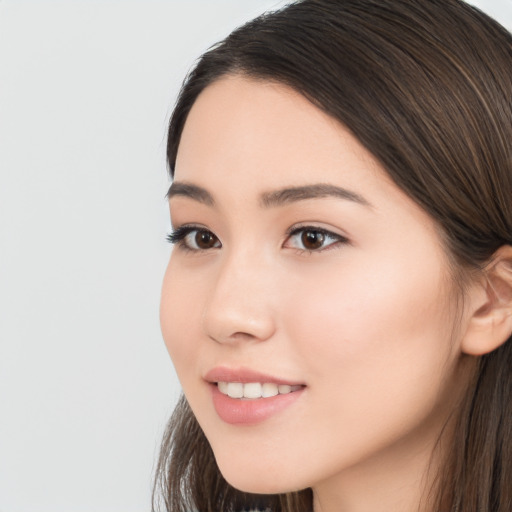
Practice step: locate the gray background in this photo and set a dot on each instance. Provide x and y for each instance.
(86, 386)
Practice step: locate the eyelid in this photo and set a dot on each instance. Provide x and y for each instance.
(314, 227)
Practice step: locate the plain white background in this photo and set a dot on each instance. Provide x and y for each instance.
(86, 386)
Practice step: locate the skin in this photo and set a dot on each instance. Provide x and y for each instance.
(366, 322)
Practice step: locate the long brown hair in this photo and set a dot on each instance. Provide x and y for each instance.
(426, 86)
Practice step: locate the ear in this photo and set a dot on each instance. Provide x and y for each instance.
(490, 322)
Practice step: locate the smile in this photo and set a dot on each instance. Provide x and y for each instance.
(255, 390)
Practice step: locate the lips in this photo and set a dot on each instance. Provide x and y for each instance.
(245, 376)
(244, 397)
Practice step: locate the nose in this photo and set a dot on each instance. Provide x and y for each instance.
(239, 306)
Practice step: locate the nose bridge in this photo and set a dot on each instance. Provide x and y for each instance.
(239, 305)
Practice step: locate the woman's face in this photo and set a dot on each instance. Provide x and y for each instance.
(301, 269)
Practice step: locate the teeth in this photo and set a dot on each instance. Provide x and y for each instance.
(269, 389)
(254, 390)
(235, 389)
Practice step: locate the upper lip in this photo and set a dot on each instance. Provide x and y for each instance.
(245, 375)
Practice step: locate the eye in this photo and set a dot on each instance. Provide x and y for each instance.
(194, 238)
(310, 238)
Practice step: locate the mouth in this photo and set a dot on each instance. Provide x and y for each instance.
(246, 397)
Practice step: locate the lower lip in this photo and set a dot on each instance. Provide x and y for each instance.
(248, 412)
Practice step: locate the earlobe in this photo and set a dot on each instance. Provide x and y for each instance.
(490, 324)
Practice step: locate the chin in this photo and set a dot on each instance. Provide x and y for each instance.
(256, 477)
(258, 485)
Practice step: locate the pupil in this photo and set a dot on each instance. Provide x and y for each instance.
(205, 240)
(312, 239)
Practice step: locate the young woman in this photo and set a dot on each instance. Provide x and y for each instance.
(338, 303)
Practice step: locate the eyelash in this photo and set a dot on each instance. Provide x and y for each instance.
(179, 236)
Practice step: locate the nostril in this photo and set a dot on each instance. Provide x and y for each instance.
(237, 337)
(242, 336)
(237, 323)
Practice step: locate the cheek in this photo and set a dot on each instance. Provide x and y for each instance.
(367, 303)
(376, 339)
(353, 305)
(376, 353)
(180, 317)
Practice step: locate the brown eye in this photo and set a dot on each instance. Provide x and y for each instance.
(205, 240)
(312, 240)
(194, 238)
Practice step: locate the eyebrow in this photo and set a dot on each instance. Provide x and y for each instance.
(199, 194)
(316, 191)
(274, 198)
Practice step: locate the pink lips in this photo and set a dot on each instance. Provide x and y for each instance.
(244, 375)
(237, 411)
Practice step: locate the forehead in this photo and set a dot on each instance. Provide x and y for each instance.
(265, 131)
